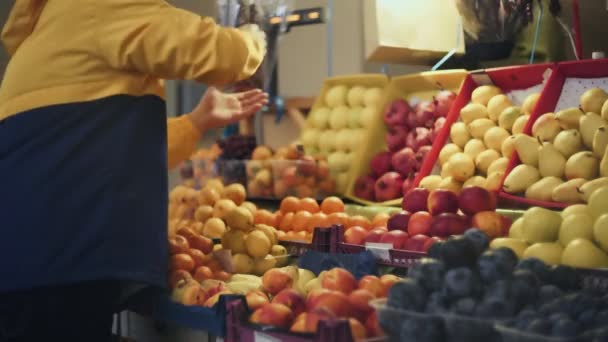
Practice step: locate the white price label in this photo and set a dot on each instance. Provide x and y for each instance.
(261, 337)
(380, 250)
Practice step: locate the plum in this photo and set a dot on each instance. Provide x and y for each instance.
(423, 330)
(478, 238)
(538, 267)
(492, 266)
(436, 303)
(407, 294)
(429, 273)
(565, 328)
(497, 308)
(565, 277)
(498, 289)
(548, 293)
(507, 256)
(464, 306)
(461, 282)
(458, 252)
(539, 326)
(436, 250)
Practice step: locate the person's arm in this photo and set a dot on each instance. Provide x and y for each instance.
(155, 38)
(182, 138)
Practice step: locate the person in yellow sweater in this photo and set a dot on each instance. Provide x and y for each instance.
(84, 142)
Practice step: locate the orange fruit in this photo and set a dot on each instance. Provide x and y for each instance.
(221, 275)
(262, 216)
(278, 217)
(300, 220)
(301, 236)
(290, 204)
(332, 205)
(215, 266)
(203, 273)
(360, 221)
(290, 236)
(286, 222)
(309, 204)
(318, 220)
(337, 218)
(281, 235)
(380, 220)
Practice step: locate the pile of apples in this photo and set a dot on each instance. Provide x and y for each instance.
(336, 127)
(297, 301)
(482, 142)
(577, 237)
(565, 155)
(411, 130)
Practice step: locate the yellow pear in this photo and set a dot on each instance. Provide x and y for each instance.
(475, 181)
(508, 116)
(497, 105)
(527, 149)
(593, 99)
(516, 230)
(598, 202)
(582, 165)
(479, 127)
(568, 192)
(484, 93)
(605, 110)
(520, 124)
(575, 226)
(508, 146)
(542, 190)
(590, 186)
(445, 170)
(575, 210)
(493, 180)
(541, 225)
(549, 252)
(588, 124)
(600, 141)
(461, 167)
(516, 245)
(520, 178)
(546, 127)
(582, 253)
(459, 134)
(430, 182)
(530, 103)
(449, 183)
(485, 159)
(550, 161)
(600, 232)
(447, 151)
(474, 147)
(568, 142)
(494, 138)
(604, 165)
(569, 118)
(473, 111)
(498, 165)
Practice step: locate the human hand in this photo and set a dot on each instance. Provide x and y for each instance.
(217, 109)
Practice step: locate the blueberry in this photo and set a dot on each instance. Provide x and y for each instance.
(587, 317)
(429, 272)
(558, 316)
(599, 335)
(522, 292)
(539, 326)
(551, 308)
(537, 267)
(601, 318)
(548, 292)
(423, 330)
(527, 314)
(458, 252)
(565, 328)
(499, 289)
(464, 306)
(492, 266)
(435, 250)
(527, 276)
(461, 282)
(498, 308)
(507, 256)
(565, 277)
(479, 239)
(436, 303)
(407, 294)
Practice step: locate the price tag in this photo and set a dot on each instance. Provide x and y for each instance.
(261, 337)
(380, 250)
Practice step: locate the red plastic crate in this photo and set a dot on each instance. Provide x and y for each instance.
(391, 257)
(547, 103)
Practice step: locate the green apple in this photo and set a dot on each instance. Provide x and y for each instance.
(541, 225)
(582, 253)
(549, 252)
(575, 226)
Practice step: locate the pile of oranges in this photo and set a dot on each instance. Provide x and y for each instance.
(297, 218)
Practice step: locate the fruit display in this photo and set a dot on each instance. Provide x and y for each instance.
(564, 157)
(337, 125)
(463, 291)
(482, 141)
(577, 236)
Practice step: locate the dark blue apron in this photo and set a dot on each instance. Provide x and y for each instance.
(83, 193)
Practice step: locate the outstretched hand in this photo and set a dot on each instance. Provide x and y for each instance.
(217, 109)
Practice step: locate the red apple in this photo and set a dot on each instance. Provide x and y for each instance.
(291, 299)
(338, 279)
(334, 302)
(429, 243)
(416, 243)
(442, 201)
(421, 154)
(425, 114)
(256, 299)
(420, 223)
(447, 224)
(396, 138)
(388, 187)
(396, 113)
(423, 137)
(277, 315)
(489, 222)
(408, 183)
(404, 161)
(410, 140)
(398, 221)
(355, 235)
(397, 238)
(443, 102)
(359, 303)
(364, 187)
(372, 284)
(375, 235)
(415, 200)
(381, 163)
(475, 199)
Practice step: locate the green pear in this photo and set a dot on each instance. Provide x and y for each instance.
(582, 165)
(520, 178)
(494, 137)
(508, 116)
(588, 124)
(575, 210)
(459, 134)
(484, 93)
(499, 165)
(576, 226)
(530, 103)
(527, 149)
(550, 161)
(542, 190)
(485, 159)
(520, 124)
(600, 232)
(589, 187)
(479, 127)
(516, 230)
(568, 192)
(593, 99)
(508, 146)
(475, 181)
(568, 142)
(549, 252)
(541, 225)
(600, 141)
(582, 253)
(518, 246)
(493, 181)
(546, 127)
(497, 105)
(597, 202)
(604, 113)
(473, 111)
(604, 165)
(569, 118)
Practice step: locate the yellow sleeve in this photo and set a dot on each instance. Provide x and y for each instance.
(155, 38)
(182, 138)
